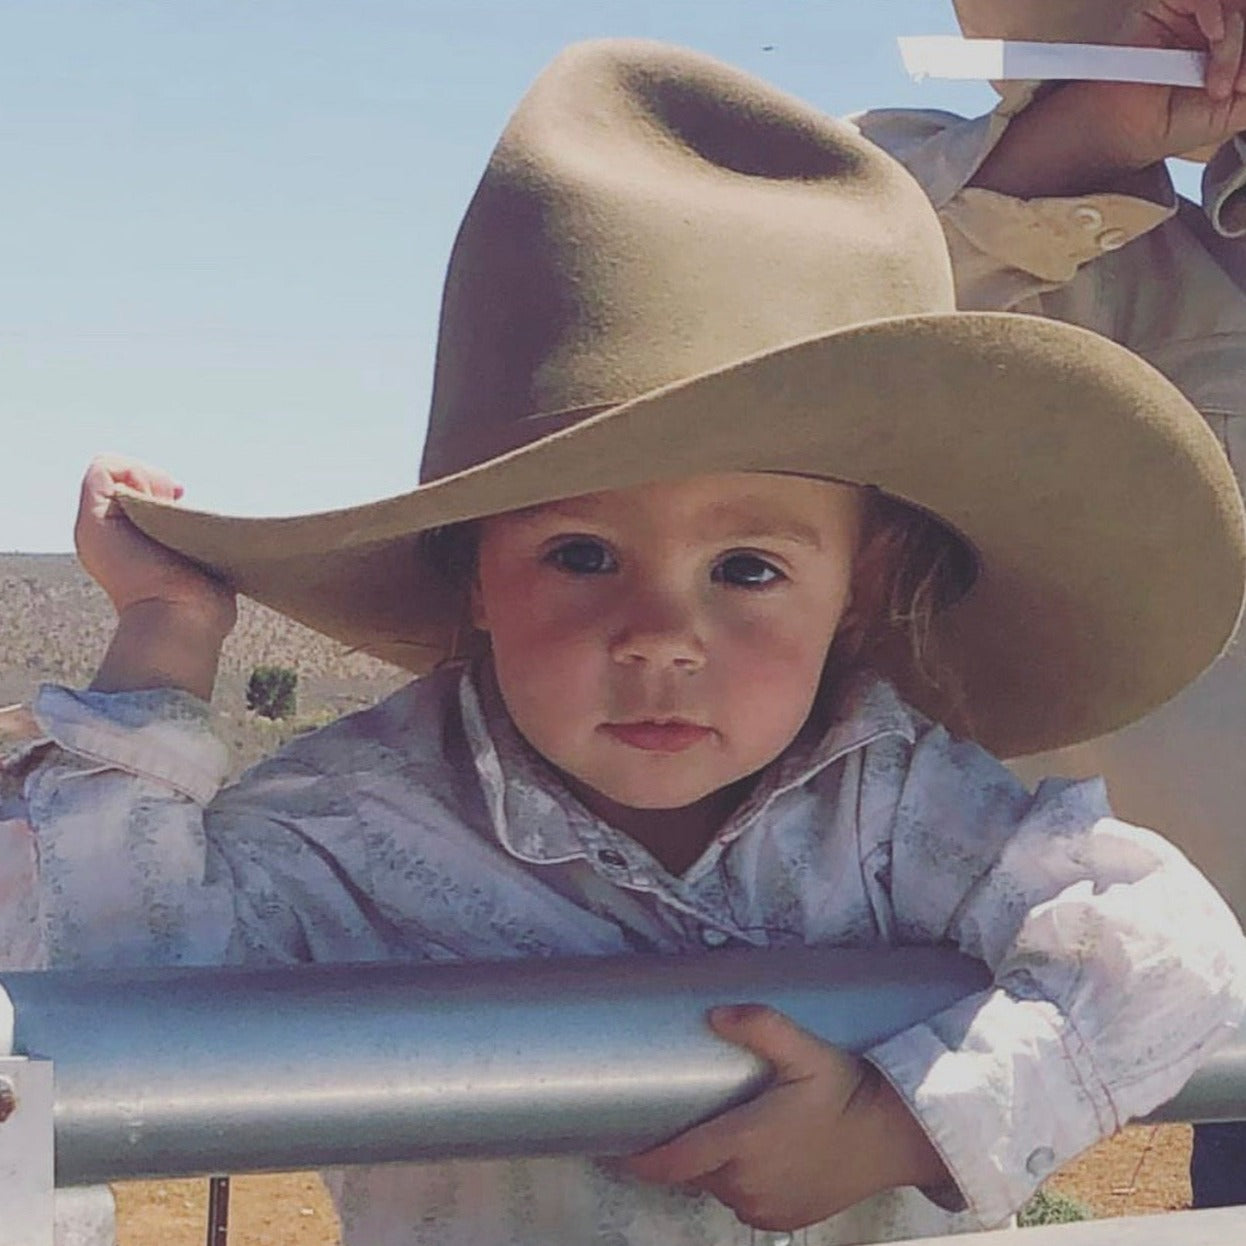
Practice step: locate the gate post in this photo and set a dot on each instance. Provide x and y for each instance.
(26, 1151)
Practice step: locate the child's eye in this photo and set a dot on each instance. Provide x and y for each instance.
(582, 557)
(747, 571)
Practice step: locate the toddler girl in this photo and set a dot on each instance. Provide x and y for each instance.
(724, 511)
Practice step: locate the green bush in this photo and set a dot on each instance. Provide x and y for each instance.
(1052, 1207)
(271, 691)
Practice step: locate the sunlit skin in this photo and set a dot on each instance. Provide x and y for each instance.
(712, 602)
(662, 644)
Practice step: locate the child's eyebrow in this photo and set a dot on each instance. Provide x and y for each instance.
(798, 533)
(731, 524)
(563, 509)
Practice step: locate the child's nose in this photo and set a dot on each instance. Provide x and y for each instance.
(660, 631)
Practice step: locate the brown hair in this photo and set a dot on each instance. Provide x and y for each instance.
(909, 566)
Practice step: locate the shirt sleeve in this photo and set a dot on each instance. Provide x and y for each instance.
(1117, 969)
(1006, 250)
(1224, 189)
(131, 853)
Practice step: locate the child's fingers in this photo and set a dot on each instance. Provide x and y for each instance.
(99, 487)
(106, 471)
(706, 1149)
(792, 1052)
(749, 1194)
(150, 481)
(692, 1157)
(739, 1157)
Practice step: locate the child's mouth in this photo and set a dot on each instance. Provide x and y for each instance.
(671, 736)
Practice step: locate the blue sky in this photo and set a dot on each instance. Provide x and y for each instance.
(226, 222)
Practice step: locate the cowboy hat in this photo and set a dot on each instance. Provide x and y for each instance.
(670, 268)
(1052, 21)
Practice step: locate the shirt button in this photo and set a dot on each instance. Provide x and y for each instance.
(608, 856)
(1112, 239)
(781, 1239)
(1040, 1162)
(1087, 217)
(713, 937)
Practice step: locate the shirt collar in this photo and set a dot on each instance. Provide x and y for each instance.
(536, 819)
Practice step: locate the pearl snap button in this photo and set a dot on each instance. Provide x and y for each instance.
(781, 1239)
(608, 856)
(1040, 1162)
(713, 937)
(1111, 239)
(1087, 217)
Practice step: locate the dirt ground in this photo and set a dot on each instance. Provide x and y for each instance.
(1144, 1169)
(288, 1210)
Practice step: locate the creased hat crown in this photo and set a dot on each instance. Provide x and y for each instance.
(650, 215)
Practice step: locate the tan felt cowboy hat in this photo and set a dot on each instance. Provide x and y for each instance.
(1051, 21)
(671, 268)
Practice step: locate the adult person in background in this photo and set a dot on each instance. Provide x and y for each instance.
(1059, 203)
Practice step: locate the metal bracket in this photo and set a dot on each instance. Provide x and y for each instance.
(26, 1152)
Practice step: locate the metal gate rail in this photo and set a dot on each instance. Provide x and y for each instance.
(162, 1073)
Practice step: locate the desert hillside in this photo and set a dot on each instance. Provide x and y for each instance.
(55, 624)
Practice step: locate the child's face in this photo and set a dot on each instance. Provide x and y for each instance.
(658, 644)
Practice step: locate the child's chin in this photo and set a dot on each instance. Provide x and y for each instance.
(651, 796)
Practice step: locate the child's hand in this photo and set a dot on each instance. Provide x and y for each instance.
(1141, 124)
(132, 569)
(828, 1132)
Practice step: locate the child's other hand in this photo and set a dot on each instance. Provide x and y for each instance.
(1140, 124)
(131, 568)
(828, 1132)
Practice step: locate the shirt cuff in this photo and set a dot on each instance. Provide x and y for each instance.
(1224, 189)
(160, 734)
(1053, 237)
(946, 162)
(1000, 1121)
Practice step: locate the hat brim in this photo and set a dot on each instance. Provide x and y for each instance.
(1105, 519)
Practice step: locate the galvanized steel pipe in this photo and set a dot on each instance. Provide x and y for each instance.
(177, 1072)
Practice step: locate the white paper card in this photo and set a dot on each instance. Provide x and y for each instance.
(948, 56)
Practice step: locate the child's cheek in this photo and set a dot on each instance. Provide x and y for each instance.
(774, 669)
(549, 666)
(766, 648)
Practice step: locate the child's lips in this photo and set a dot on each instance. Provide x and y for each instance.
(672, 735)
